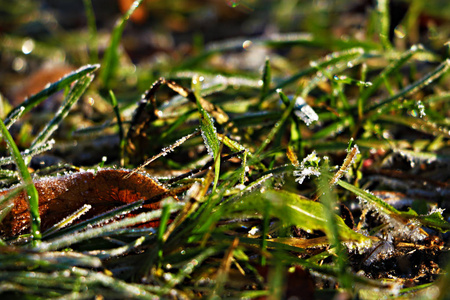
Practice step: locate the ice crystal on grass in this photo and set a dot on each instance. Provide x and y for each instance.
(308, 167)
(397, 226)
(349, 160)
(304, 111)
(421, 109)
(380, 250)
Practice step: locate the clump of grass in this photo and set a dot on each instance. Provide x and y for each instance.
(238, 152)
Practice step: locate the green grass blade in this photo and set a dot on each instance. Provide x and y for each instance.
(417, 124)
(100, 219)
(209, 132)
(287, 112)
(416, 86)
(165, 215)
(33, 197)
(92, 44)
(75, 93)
(70, 239)
(332, 230)
(63, 83)
(380, 204)
(384, 22)
(111, 59)
(329, 60)
(266, 79)
(391, 68)
(67, 220)
(27, 154)
(115, 106)
(292, 209)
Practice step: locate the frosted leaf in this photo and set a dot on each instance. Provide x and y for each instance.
(305, 112)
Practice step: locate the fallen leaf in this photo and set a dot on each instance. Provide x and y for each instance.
(37, 81)
(61, 196)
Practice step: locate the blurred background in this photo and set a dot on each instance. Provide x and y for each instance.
(38, 36)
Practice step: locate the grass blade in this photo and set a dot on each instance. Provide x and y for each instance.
(115, 106)
(111, 59)
(51, 89)
(391, 68)
(70, 239)
(266, 79)
(209, 132)
(28, 154)
(93, 44)
(75, 93)
(411, 89)
(33, 197)
(384, 22)
(329, 202)
(329, 60)
(293, 209)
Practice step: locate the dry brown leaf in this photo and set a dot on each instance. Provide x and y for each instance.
(61, 196)
(38, 80)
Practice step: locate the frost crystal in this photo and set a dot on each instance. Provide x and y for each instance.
(421, 108)
(304, 111)
(397, 227)
(380, 250)
(308, 167)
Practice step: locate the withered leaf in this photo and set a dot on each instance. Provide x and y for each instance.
(61, 196)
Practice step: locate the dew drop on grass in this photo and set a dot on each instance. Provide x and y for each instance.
(247, 44)
(168, 276)
(28, 46)
(400, 32)
(19, 64)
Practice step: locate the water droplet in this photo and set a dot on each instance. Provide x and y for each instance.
(247, 44)
(400, 31)
(313, 64)
(19, 64)
(28, 46)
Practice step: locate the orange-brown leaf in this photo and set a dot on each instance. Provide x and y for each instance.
(61, 196)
